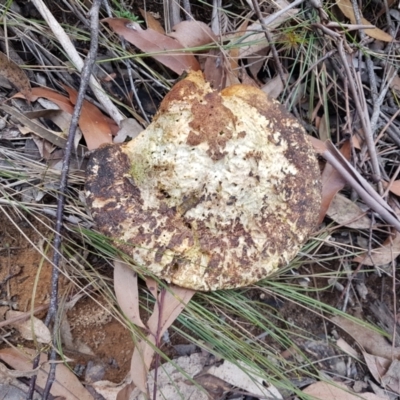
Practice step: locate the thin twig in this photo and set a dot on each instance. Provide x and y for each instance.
(268, 36)
(362, 113)
(77, 60)
(390, 74)
(368, 61)
(86, 73)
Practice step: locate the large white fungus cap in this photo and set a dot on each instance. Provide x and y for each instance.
(218, 192)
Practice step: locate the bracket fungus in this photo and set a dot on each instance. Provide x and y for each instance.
(218, 192)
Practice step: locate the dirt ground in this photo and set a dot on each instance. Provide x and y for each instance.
(99, 341)
(97, 346)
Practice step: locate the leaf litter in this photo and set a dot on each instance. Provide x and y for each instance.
(226, 67)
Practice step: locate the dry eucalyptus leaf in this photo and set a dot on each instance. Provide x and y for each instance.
(9, 375)
(129, 128)
(168, 306)
(217, 68)
(193, 34)
(395, 83)
(59, 117)
(377, 365)
(274, 86)
(252, 41)
(344, 212)
(12, 72)
(126, 291)
(342, 344)
(172, 384)
(255, 36)
(97, 129)
(241, 376)
(32, 329)
(66, 384)
(164, 49)
(347, 9)
(394, 187)
(372, 341)
(337, 391)
(95, 126)
(214, 386)
(151, 22)
(323, 131)
(332, 180)
(391, 379)
(318, 145)
(384, 254)
(113, 391)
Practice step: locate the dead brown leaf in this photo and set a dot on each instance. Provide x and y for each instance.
(384, 254)
(66, 384)
(161, 47)
(152, 285)
(62, 101)
(214, 386)
(24, 316)
(391, 379)
(332, 182)
(169, 304)
(337, 391)
(151, 22)
(346, 213)
(12, 72)
(168, 307)
(274, 87)
(63, 121)
(97, 129)
(386, 372)
(347, 9)
(216, 68)
(242, 376)
(255, 39)
(33, 329)
(394, 187)
(192, 34)
(319, 145)
(126, 291)
(376, 365)
(323, 131)
(9, 375)
(141, 360)
(373, 342)
(343, 345)
(52, 137)
(256, 62)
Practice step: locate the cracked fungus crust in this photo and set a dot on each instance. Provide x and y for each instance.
(218, 192)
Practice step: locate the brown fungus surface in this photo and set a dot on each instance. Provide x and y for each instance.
(218, 192)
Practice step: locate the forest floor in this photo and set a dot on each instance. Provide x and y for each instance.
(326, 325)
